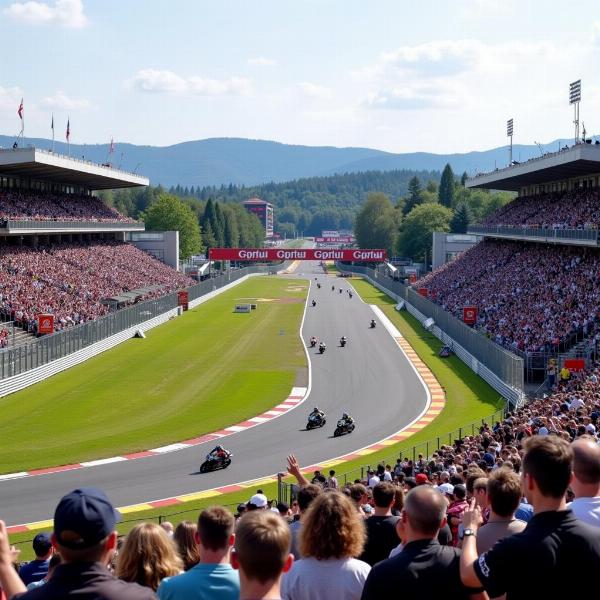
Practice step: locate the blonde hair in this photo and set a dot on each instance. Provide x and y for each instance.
(185, 541)
(148, 556)
(332, 528)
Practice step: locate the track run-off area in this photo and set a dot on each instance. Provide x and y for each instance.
(371, 378)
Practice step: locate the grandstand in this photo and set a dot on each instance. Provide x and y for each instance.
(534, 277)
(62, 250)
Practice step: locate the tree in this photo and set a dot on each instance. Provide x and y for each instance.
(232, 234)
(462, 218)
(168, 213)
(219, 225)
(416, 234)
(446, 191)
(414, 195)
(463, 179)
(376, 224)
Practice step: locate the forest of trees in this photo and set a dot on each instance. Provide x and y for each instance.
(404, 227)
(396, 210)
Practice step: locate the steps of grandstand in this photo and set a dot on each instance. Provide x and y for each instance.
(16, 336)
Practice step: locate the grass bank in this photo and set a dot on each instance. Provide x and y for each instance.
(198, 373)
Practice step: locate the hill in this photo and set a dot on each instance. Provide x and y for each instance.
(219, 161)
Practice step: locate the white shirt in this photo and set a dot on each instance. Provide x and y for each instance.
(331, 579)
(387, 476)
(373, 481)
(587, 510)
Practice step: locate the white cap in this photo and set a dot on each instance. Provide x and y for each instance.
(258, 500)
(446, 488)
(543, 431)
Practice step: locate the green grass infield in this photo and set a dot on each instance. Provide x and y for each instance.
(198, 373)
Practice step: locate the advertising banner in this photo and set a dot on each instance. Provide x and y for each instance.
(45, 323)
(470, 315)
(342, 239)
(575, 364)
(267, 254)
(423, 292)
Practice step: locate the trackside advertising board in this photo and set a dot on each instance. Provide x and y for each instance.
(266, 254)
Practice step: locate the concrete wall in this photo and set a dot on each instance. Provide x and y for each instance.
(162, 244)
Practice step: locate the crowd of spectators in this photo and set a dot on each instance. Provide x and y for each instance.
(46, 206)
(70, 280)
(529, 297)
(577, 209)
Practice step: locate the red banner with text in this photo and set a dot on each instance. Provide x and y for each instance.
(423, 292)
(266, 254)
(45, 323)
(183, 299)
(470, 315)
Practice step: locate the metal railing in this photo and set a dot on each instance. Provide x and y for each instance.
(26, 225)
(556, 236)
(504, 364)
(43, 350)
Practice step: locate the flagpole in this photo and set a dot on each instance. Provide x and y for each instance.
(52, 133)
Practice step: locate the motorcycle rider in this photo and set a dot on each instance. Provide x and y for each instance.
(322, 346)
(314, 302)
(218, 453)
(316, 413)
(372, 323)
(347, 419)
(313, 341)
(343, 340)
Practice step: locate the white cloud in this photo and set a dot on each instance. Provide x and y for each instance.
(262, 61)
(68, 13)
(486, 9)
(417, 97)
(596, 33)
(161, 81)
(10, 98)
(63, 102)
(314, 90)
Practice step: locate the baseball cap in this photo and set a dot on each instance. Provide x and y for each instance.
(83, 518)
(446, 488)
(543, 431)
(258, 500)
(421, 478)
(41, 544)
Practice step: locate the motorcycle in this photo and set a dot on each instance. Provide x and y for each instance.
(315, 421)
(318, 286)
(343, 427)
(313, 343)
(343, 342)
(373, 324)
(212, 463)
(314, 303)
(333, 288)
(321, 348)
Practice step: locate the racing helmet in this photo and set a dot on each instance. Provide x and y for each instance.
(345, 416)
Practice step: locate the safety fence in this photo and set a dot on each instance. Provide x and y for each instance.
(507, 367)
(49, 348)
(586, 237)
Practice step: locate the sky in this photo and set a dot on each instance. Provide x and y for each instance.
(397, 75)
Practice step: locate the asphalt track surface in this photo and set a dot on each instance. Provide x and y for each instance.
(370, 378)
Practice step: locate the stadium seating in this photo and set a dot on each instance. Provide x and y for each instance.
(578, 209)
(70, 280)
(530, 297)
(42, 206)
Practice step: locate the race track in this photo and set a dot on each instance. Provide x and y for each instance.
(370, 378)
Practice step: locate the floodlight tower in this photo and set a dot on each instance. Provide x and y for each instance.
(575, 99)
(509, 133)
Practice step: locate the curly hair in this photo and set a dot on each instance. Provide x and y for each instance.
(185, 541)
(332, 528)
(148, 556)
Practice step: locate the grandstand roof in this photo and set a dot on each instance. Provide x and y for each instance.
(41, 165)
(256, 201)
(577, 161)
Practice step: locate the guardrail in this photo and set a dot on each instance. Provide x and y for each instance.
(39, 352)
(588, 237)
(507, 367)
(26, 225)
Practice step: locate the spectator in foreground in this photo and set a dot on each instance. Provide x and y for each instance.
(381, 526)
(332, 535)
(85, 537)
(586, 480)
(306, 495)
(148, 556)
(262, 555)
(556, 551)
(504, 496)
(424, 568)
(55, 560)
(37, 569)
(213, 577)
(185, 541)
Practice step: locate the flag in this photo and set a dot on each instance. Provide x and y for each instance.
(52, 124)
(68, 130)
(112, 146)
(20, 111)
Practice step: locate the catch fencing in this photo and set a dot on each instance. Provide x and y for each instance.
(49, 348)
(472, 347)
